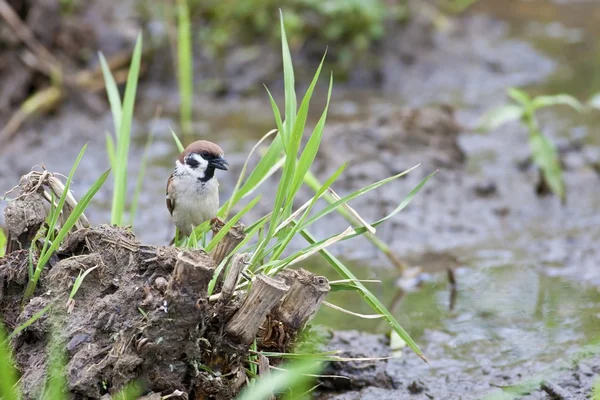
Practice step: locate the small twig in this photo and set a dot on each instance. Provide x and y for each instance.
(554, 391)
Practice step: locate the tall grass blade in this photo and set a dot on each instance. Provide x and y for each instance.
(180, 145)
(185, 66)
(56, 379)
(124, 137)
(281, 246)
(112, 91)
(110, 150)
(9, 375)
(375, 304)
(312, 147)
(333, 206)
(288, 79)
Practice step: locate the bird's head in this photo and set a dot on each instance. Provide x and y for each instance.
(201, 158)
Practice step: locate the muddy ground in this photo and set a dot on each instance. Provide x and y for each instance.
(480, 213)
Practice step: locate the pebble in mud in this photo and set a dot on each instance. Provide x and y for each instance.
(161, 284)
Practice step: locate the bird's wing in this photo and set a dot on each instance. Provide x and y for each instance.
(170, 195)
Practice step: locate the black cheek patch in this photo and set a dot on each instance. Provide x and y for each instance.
(192, 162)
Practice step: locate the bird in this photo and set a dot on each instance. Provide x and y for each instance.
(193, 188)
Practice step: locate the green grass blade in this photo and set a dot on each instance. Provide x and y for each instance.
(131, 391)
(79, 281)
(112, 91)
(312, 147)
(56, 379)
(375, 304)
(63, 197)
(3, 244)
(221, 234)
(288, 79)
(295, 376)
(499, 116)
(29, 322)
(331, 207)
(520, 96)
(185, 65)
(124, 137)
(180, 145)
(557, 99)
(9, 389)
(227, 205)
(110, 150)
(283, 244)
(277, 115)
(300, 122)
(75, 214)
(259, 174)
(249, 235)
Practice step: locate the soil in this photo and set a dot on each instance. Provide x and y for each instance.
(512, 248)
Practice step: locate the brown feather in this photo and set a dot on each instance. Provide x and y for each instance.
(201, 146)
(170, 199)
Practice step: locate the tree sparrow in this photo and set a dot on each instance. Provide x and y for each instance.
(193, 189)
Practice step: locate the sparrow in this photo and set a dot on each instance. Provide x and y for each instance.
(192, 188)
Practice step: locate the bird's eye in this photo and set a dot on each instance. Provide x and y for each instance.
(205, 155)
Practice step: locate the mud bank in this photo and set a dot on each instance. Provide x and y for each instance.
(408, 377)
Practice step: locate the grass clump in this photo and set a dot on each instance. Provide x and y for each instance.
(271, 235)
(53, 234)
(523, 108)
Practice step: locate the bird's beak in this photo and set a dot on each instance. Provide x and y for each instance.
(220, 163)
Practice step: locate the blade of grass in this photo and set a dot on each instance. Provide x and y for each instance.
(3, 244)
(310, 151)
(180, 146)
(292, 233)
(112, 91)
(56, 379)
(293, 377)
(79, 281)
(221, 234)
(249, 235)
(243, 172)
(124, 137)
(314, 184)
(110, 150)
(9, 389)
(333, 206)
(288, 78)
(375, 304)
(29, 322)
